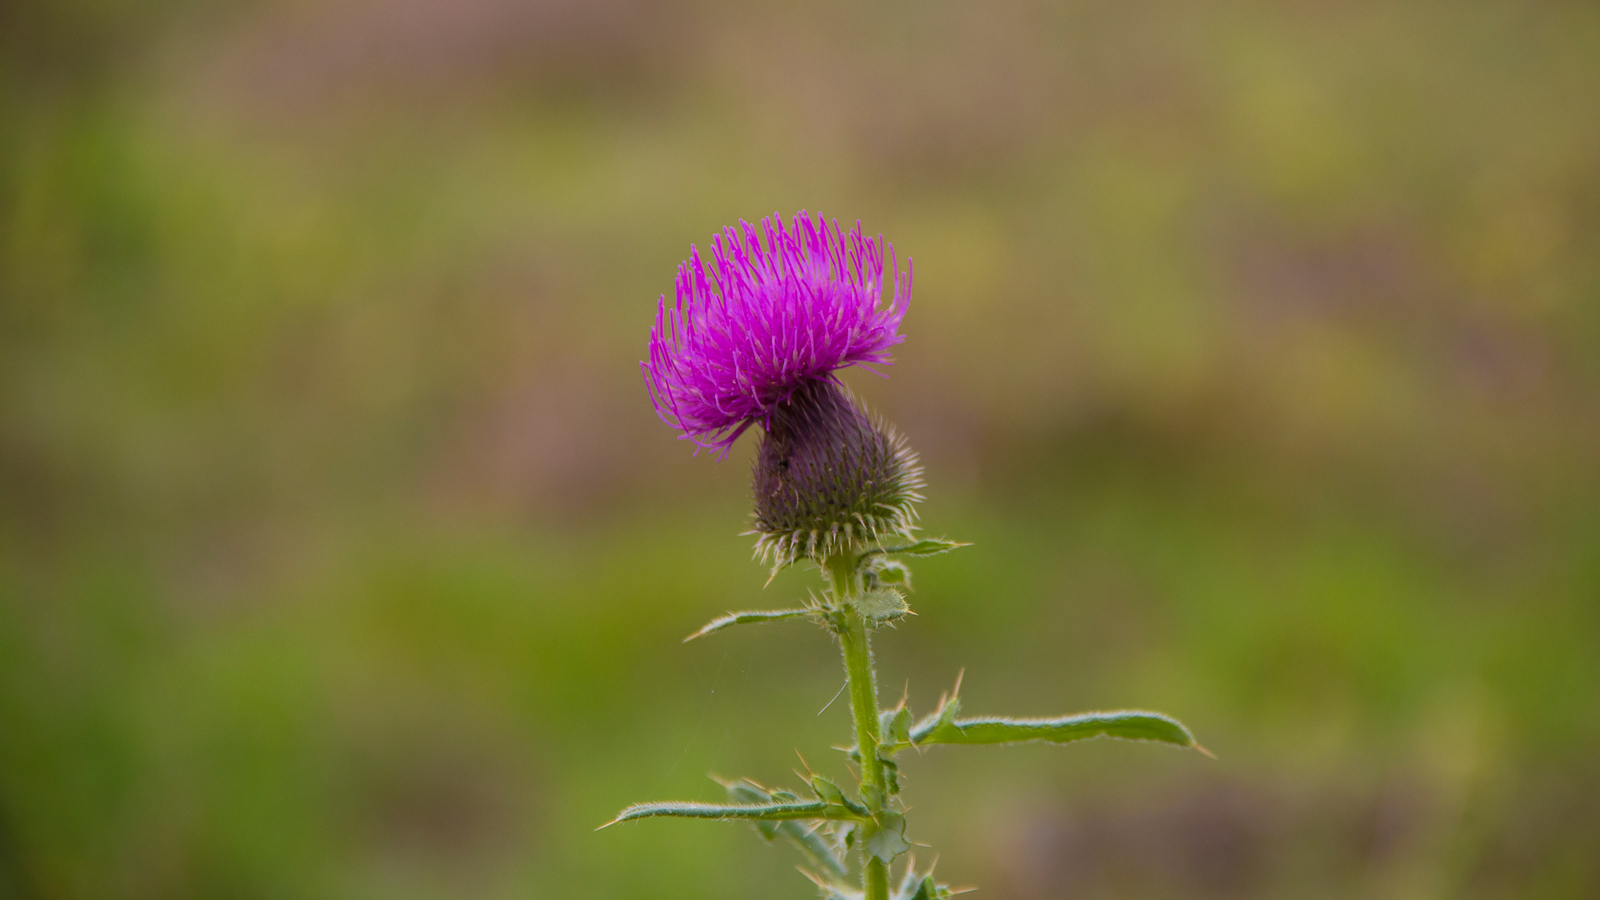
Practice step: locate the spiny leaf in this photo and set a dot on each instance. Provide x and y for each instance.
(831, 890)
(1131, 725)
(816, 849)
(809, 841)
(747, 618)
(750, 793)
(827, 791)
(921, 886)
(908, 883)
(813, 809)
(891, 775)
(929, 547)
(837, 802)
(898, 733)
(943, 717)
(895, 726)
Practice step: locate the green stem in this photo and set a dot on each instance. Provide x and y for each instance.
(864, 708)
(876, 881)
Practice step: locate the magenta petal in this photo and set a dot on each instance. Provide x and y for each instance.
(764, 318)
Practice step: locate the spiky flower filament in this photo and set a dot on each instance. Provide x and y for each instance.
(767, 317)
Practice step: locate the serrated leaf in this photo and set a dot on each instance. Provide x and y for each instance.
(921, 886)
(814, 809)
(835, 799)
(827, 791)
(831, 890)
(908, 883)
(895, 740)
(811, 844)
(896, 725)
(814, 847)
(749, 617)
(929, 547)
(749, 793)
(890, 839)
(1130, 725)
(881, 604)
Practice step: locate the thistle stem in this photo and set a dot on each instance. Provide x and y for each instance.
(864, 708)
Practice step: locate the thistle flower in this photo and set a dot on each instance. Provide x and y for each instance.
(757, 340)
(742, 336)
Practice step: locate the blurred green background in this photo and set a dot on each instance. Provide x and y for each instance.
(1256, 346)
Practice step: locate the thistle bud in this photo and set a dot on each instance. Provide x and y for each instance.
(827, 478)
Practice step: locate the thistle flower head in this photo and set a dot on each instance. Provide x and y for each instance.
(828, 478)
(767, 319)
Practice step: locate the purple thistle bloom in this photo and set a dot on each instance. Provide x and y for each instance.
(744, 335)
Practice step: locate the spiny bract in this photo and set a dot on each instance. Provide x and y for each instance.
(828, 477)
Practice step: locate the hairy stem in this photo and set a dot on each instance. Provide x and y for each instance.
(864, 707)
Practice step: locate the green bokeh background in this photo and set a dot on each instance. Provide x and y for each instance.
(1256, 347)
